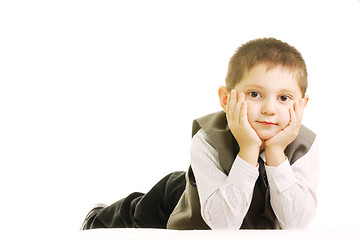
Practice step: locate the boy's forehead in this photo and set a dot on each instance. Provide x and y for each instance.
(267, 67)
(262, 76)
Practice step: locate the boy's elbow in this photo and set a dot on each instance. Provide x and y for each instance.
(301, 221)
(220, 221)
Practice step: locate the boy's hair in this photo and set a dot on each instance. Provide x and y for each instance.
(269, 52)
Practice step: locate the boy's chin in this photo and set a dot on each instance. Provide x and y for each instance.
(265, 135)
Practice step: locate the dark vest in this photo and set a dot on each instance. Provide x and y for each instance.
(260, 215)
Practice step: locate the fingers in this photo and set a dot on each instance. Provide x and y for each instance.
(227, 108)
(296, 114)
(293, 116)
(236, 106)
(239, 108)
(243, 110)
(298, 110)
(232, 104)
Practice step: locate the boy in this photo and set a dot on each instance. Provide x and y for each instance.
(253, 165)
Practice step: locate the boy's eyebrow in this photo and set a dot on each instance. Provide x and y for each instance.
(287, 90)
(252, 85)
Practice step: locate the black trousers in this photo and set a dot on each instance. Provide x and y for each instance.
(139, 210)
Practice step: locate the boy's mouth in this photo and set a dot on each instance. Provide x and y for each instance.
(266, 123)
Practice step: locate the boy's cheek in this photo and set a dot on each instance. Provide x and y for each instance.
(252, 108)
(285, 118)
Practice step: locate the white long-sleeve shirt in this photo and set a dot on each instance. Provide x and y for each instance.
(225, 199)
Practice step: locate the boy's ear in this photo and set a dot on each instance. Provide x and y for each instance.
(223, 97)
(306, 98)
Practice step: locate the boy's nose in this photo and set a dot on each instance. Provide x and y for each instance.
(268, 108)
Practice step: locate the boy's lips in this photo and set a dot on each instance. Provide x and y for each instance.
(266, 123)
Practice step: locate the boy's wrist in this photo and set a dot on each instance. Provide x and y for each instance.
(274, 156)
(250, 155)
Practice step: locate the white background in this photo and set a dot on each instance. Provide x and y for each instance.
(97, 98)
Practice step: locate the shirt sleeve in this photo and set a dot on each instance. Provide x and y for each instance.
(224, 199)
(293, 189)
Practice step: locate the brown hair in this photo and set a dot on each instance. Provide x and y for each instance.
(269, 52)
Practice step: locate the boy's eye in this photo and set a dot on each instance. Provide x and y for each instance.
(254, 95)
(284, 98)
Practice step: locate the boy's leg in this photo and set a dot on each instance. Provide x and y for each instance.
(138, 210)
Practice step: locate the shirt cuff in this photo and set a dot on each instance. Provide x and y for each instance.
(280, 177)
(243, 174)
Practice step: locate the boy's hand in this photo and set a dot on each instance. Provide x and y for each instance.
(275, 146)
(245, 135)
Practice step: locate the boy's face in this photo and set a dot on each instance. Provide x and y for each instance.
(269, 96)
